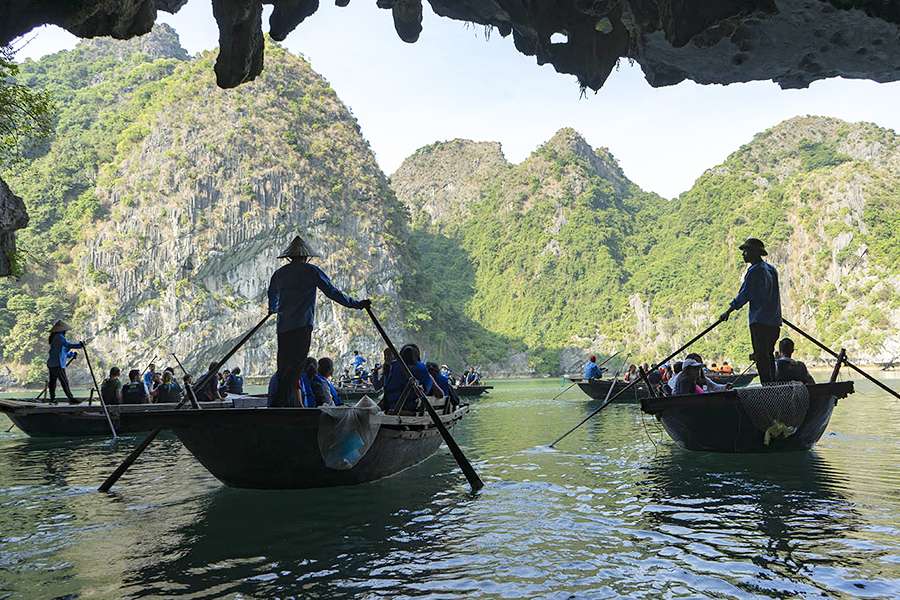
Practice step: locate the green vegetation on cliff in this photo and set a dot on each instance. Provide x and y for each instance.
(159, 202)
(567, 253)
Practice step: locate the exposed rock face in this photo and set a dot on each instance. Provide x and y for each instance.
(184, 200)
(793, 42)
(12, 217)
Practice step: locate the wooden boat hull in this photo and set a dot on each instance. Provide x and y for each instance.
(717, 422)
(277, 448)
(598, 389)
(470, 391)
(78, 420)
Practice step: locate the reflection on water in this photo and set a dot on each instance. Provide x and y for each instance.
(617, 510)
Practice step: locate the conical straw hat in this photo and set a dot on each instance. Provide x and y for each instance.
(60, 327)
(297, 248)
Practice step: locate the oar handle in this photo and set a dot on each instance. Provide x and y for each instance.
(846, 362)
(464, 464)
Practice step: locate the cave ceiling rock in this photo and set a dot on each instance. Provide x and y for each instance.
(793, 42)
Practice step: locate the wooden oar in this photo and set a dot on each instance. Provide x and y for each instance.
(616, 378)
(188, 388)
(129, 460)
(575, 382)
(846, 362)
(464, 464)
(629, 386)
(87, 359)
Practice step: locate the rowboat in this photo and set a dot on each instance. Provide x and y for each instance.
(39, 419)
(472, 390)
(598, 389)
(282, 448)
(754, 419)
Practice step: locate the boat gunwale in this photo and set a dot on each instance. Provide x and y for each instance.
(657, 406)
(402, 422)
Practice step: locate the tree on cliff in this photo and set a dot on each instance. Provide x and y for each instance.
(24, 113)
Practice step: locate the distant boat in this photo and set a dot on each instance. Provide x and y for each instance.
(598, 388)
(279, 448)
(472, 390)
(40, 419)
(721, 421)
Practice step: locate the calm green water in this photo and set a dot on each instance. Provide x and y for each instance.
(616, 511)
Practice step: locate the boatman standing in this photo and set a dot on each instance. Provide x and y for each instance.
(760, 289)
(292, 294)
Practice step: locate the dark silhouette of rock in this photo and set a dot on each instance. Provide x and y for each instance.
(793, 42)
(12, 217)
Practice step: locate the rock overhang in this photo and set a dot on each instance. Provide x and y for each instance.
(792, 42)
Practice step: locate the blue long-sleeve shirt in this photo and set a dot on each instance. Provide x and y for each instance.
(592, 371)
(60, 349)
(760, 289)
(395, 382)
(292, 294)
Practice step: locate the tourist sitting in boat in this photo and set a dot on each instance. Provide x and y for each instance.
(706, 383)
(631, 374)
(714, 368)
(323, 390)
(111, 388)
(305, 385)
(726, 369)
(473, 377)
(440, 379)
(688, 381)
(134, 392)
(148, 378)
(788, 369)
(223, 378)
(236, 382)
(167, 391)
(445, 371)
(591, 370)
(378, 376)
(398, 393)
(209, 388)
(61, 350)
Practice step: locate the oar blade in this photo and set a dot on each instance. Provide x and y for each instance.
(120, 470)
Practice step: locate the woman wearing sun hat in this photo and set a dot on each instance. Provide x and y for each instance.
(61, 350)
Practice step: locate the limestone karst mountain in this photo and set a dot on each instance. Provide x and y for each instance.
(161, 202)
(564, 252)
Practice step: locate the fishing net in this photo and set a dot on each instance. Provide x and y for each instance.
(777, 409)
(347, 432)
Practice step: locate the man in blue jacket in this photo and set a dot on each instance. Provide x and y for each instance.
(292, 294)
(760, 289)
(591, 369)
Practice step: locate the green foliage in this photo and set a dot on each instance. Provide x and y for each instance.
(26, 115)
(818, 155)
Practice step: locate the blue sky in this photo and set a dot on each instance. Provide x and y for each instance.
(455, 83)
